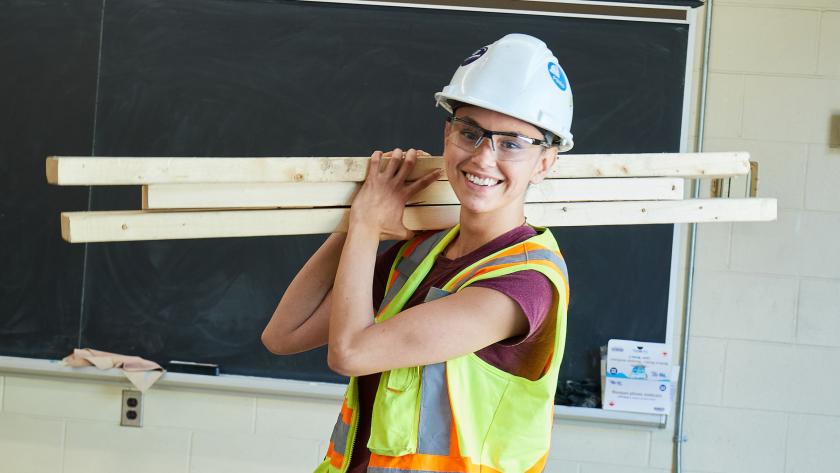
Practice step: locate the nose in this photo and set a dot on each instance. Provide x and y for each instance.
(488, 138)
(485, 154)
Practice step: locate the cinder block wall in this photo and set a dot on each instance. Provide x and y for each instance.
(766, 331)
(54, 425)
(766, 327)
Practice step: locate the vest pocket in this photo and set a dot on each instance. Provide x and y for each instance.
(402, 379)
(395, 417)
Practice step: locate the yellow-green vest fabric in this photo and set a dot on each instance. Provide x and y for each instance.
(463, 414)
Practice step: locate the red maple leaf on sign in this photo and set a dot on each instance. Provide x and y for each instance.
(664, 353)
(612, 403)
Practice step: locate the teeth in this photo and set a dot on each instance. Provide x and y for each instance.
(481, 182)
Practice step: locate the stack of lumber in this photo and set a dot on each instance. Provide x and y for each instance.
(236, 197)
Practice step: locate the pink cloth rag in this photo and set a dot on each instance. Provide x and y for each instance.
(141, 372)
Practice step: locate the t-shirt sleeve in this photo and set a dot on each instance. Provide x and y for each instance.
(532, 290)
(381, 270)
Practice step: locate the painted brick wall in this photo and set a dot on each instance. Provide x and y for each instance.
(55, 425)
(766, 327)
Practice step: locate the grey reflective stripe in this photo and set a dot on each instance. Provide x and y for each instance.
(395, 288)
(339, 436)
(406, 266)
(554, 258)
(435, 412)
(435, 294)
(523, 257)
(409, 264)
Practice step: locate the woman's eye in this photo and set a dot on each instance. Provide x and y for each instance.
(470, 134)
(512, 145)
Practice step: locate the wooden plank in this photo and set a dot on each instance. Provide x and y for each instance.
(79, 227)
(100, 170)
(334, 194)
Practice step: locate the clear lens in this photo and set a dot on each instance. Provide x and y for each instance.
(507, 147)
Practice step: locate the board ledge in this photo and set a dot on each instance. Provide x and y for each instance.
(251, 385)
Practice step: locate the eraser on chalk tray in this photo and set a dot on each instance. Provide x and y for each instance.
(192, 367)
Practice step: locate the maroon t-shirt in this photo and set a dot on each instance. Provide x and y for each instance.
(525, 355)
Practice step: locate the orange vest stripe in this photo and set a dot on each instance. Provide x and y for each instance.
(540, 465)
(346, 413)
(532, 253)
(418, 462)
(336, 459)
(413, 244)
(393, 279)
(488, 269)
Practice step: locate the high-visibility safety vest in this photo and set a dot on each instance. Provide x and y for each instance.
(462, 415)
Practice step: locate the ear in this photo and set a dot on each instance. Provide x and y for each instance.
(546, 160)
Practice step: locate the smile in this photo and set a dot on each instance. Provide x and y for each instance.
(485, 182)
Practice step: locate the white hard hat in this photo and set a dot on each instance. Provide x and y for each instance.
(518, 76)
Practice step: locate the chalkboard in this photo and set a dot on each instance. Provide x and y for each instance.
(283, 78)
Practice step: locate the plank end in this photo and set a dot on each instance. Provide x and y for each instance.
(65, 227)
(52, 170)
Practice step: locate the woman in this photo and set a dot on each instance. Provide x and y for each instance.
(457, 368)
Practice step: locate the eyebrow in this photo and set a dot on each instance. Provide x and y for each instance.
(472, 121)
(469, 120)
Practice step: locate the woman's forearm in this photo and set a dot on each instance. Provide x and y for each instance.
(351, 312)
(286, 332)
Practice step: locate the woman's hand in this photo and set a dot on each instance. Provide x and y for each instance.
(380, 203)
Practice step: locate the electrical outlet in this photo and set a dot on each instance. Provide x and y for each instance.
(131, 411)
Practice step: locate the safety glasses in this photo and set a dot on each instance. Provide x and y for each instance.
(507, 145)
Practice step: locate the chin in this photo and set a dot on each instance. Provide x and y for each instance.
(480, 205)
(476, 209)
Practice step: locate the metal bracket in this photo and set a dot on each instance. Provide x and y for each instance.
(717, 188)
(723, 187)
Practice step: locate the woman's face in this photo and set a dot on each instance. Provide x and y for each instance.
(484, 183)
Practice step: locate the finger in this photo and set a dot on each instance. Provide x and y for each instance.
(386, 158)
(375, 161)
(394, 162)
(410, 159)
(423, 182)
(422, 153)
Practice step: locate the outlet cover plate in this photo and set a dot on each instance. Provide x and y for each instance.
(131, 410)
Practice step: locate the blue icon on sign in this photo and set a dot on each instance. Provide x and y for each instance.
(474, 56)
(662, 387)
(557, 75)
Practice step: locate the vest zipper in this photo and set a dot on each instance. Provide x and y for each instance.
(351, 437)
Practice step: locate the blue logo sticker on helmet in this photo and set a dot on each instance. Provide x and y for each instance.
(474, 56)
(557, 75)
